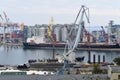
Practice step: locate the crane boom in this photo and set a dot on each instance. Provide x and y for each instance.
(6, 18)
(79, 35)
(81, 26)
(70, 55)
(1, 17)
(49, 31)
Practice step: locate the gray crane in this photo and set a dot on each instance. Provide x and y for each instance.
(69, 55)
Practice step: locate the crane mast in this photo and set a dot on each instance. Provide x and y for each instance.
(1, 17)
(49, 30)
(70, 55)
(5, 26)
(83, 12)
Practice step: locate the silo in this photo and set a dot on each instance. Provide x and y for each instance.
(57, 32)
(42, 31)
(63, 32)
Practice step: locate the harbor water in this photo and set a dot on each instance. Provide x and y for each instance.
(14, 55)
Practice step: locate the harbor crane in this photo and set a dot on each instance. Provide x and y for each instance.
(1, 17)
(6, 18)
(50, 35)
(69, 56)
(5, 25)
(49, 30)
(105, 35)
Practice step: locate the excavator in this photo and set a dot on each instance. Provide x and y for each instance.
(70, 49)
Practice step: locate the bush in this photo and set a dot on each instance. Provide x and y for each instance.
(96, 69)
(117, 60)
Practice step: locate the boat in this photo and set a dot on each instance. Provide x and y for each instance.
(37, 42)
(48, 64)
(44, 45)
(81, 46)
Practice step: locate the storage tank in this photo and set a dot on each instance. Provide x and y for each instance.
(42, 31)
(63, 32)
(57, 32)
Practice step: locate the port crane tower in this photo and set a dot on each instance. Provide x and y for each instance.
(69, 56)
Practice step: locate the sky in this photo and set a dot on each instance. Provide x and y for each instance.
(31, 12)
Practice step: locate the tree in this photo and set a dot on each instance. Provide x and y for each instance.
(96, 69)
(117, 60)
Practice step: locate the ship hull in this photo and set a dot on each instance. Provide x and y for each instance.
(62, 46)
(43, 45)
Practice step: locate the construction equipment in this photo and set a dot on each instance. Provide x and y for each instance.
(69, 56)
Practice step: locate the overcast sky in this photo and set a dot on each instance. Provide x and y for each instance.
(33, 12)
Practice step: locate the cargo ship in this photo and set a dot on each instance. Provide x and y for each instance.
(115, 47)
(38, 43)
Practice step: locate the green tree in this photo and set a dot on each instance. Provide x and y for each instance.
(117, 60)
(96, 69)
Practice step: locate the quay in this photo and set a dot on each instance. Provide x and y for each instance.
(55, 77)
(12, 44)
(99, 49)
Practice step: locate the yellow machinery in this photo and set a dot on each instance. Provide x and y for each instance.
(49, 30)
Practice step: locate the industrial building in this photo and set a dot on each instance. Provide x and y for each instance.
(113, 33)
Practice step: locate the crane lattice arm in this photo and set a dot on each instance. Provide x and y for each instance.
(70, 55)
(6, 18)
(83, 12)
(1, 17)
(49, 31)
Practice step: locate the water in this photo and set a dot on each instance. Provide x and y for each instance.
(18, 55)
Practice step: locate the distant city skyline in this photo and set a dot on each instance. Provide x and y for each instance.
(33, 12)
